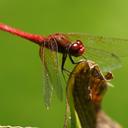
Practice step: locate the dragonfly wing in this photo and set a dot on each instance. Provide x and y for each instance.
(106, 60)
(46, 80)
(106, 51)
(52, 69)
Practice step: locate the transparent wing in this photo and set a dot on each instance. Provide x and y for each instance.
(106, 60)
(52, 72)
(46, 80)
(107, 52)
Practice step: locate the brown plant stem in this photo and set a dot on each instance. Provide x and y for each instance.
(86, 87)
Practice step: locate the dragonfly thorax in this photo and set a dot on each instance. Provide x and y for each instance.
(65, 45)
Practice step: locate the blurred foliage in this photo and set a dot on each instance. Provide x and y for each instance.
(20, 66)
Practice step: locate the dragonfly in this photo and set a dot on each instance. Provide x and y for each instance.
(106, 52)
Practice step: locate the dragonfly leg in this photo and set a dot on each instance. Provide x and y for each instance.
(63, 61)
(73, 62)
(71, 59)
(62, 67)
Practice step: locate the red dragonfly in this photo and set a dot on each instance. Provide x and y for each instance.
(104, 51)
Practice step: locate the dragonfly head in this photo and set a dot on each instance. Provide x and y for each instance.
(76, 48)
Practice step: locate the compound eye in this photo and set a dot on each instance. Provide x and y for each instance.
(78, 42)
(77, 48)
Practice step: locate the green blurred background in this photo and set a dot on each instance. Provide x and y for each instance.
(20, 66)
